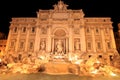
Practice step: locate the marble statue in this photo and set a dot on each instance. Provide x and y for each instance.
(59, 47)
(42, 45)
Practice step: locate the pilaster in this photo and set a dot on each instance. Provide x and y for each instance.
(103, 40)
(113, 39)
(70, 39)
(27, 39)
(37, 39)
(49, 39)
(93, 40)
(18, 38)
(83, 40)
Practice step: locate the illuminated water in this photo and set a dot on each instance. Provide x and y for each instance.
(42, 76)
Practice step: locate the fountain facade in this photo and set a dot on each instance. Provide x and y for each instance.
(60, 35)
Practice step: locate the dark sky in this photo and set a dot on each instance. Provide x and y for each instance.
(28, 8)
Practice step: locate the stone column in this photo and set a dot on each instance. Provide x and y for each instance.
(82, 39)
(103, 40)
(112, 39)
(27, 39)
(18, 39)
(70, 39)
(93, 40)
(49, 39)
(52, 44)
(37, 39)
(66, 45)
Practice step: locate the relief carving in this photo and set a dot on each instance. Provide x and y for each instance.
(44, 16)
(76, 16)
(43, 30)
(76, 31)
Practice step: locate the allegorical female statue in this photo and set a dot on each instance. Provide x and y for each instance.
(77, 45)
(42, 45)
(59, 47)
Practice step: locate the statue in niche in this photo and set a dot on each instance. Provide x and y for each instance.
(77, 44)
(42, 45)
(59, 47)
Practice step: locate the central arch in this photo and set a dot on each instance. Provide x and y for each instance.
(60, 41)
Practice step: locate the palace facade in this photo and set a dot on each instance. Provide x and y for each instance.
(62, 31)
(117, 38)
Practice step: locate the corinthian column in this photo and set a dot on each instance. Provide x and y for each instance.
(37, 39)
(93, 40)
(70, 39)
(18, 38)
(27, 38)
(113, 39)
(49, 39)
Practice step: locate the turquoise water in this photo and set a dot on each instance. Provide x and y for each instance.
(42, 76)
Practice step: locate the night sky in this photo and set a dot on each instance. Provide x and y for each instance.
(28, 8)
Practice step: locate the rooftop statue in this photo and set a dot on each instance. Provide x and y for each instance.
(60, 6)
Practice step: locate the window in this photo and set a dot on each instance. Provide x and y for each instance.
(12, 44)
(108, 45)
(88, 30)
(111, 57)
(89, 46)
(24, 29)
(33, 29)
(31, 45)
(76, 19)
(97, 31)
(21, 44)
(15, 29)
(98, 45)
(100, 56)
(90, 56)
(107, 30)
